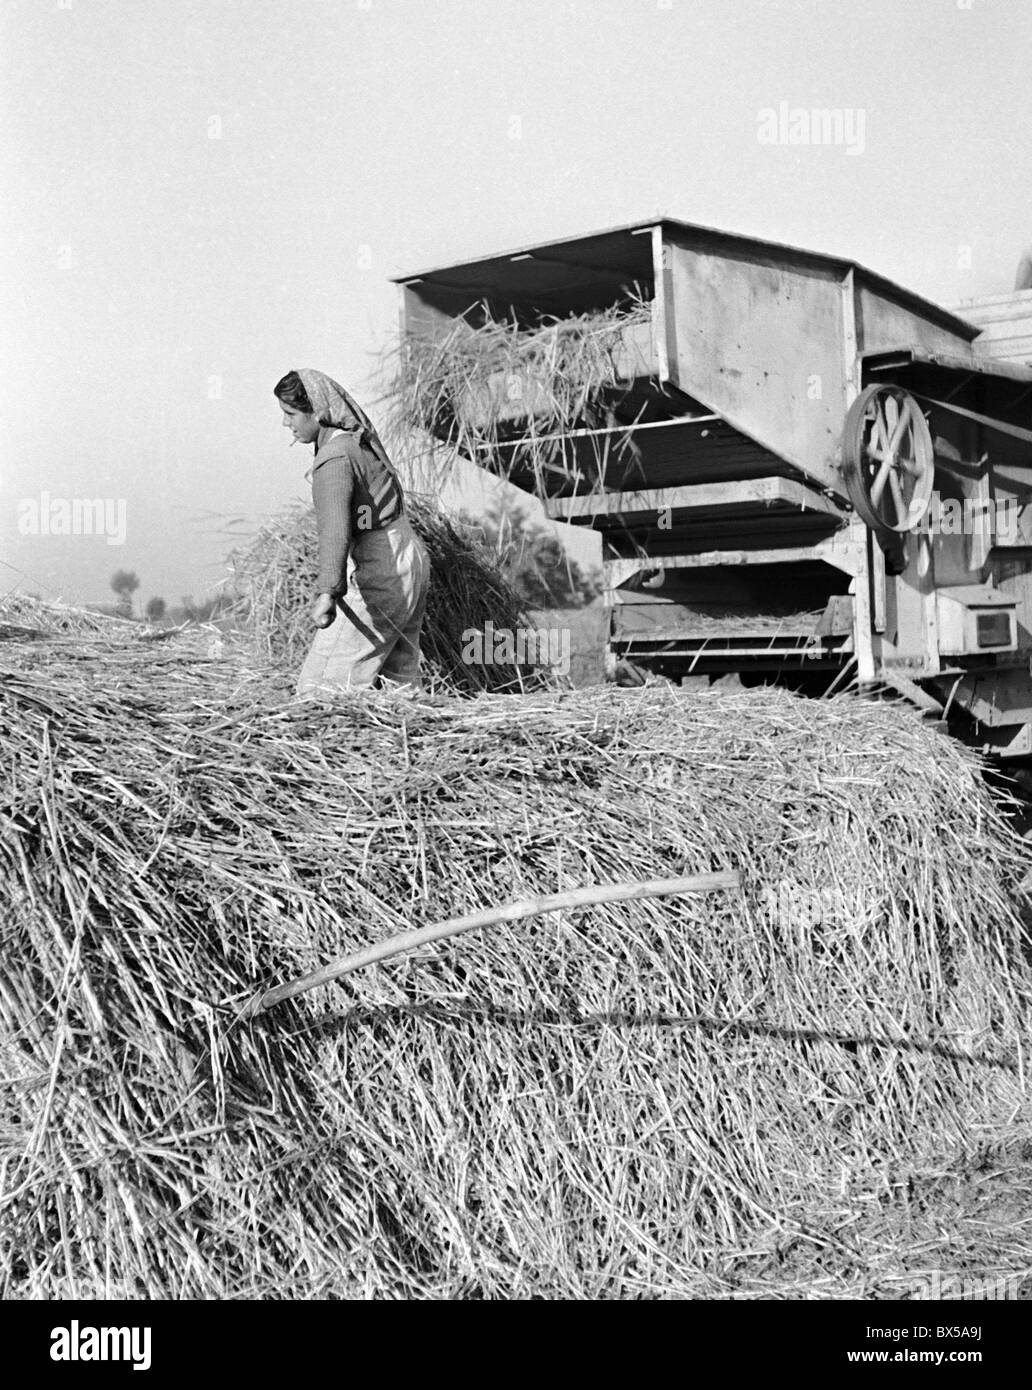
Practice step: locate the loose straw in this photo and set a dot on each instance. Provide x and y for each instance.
(512, 912)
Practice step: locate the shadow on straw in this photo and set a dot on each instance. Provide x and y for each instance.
(335, 1024)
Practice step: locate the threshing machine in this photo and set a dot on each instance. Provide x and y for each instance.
(805, 473)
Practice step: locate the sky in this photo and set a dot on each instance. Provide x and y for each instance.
(200, 195)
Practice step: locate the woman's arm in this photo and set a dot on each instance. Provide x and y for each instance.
(332, 487)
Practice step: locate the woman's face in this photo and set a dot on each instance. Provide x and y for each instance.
(303, 427)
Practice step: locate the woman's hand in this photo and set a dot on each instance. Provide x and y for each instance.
(324, 610)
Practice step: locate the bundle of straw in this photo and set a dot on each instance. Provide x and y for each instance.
(277, 572)
(636, 1099)
(473, 384)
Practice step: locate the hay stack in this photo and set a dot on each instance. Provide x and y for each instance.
(277, 573)
(636, 1100)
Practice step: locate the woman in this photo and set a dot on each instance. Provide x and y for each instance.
(359, 512)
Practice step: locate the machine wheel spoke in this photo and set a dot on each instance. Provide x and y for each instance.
(878, 486)
(897, 496)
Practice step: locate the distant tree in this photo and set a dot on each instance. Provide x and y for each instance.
(534, 560)
(125, 583)
(199, 612)
(155, 610)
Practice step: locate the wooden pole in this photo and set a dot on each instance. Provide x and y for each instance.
(511, 912)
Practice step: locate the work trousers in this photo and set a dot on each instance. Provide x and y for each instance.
(376, 629)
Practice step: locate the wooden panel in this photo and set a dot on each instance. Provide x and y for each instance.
(784, 492)
(705, 654)
(1006, 323)
(1010, 347)
(835, 551)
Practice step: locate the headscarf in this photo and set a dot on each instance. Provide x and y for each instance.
(334, 408)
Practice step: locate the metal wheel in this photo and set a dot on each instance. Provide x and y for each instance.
(888, 459)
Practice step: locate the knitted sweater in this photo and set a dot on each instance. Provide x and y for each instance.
(353, 490)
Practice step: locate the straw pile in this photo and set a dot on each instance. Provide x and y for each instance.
(276, 575)
(732, 621)
(24, 617)
(469, 386)
(641, 1100)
